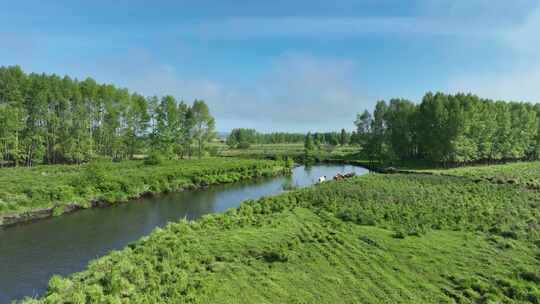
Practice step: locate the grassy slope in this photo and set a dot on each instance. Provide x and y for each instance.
(523, 173)
(25, 189)
(374, 239)
(332, 263)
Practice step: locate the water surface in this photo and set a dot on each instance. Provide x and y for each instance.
(30, 254)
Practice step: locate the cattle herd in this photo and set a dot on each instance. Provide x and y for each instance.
(337, 177)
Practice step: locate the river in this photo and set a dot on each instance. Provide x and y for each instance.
(30, 254)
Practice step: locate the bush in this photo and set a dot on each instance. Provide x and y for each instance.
(244, 145)
(154, 159)
(213, 151)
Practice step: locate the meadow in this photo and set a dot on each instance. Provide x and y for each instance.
(522, 173)
(372, 239)
(62, 187)
(280, 151)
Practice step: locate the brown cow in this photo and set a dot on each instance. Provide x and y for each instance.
(338, 177)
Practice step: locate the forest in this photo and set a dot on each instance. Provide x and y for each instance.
(450, 129)
(47, 119)
(243, 138)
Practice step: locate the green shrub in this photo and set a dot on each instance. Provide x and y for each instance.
(58, 210)
(154, 159)
(244, 145)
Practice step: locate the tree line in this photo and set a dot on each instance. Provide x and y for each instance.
(243, 138)
(48, 119)
(450, 129)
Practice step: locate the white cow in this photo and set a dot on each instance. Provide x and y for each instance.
(322, 179)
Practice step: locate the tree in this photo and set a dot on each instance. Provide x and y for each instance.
(343, 138)
(309, 146)
(451, 130)
(51, 119)
(317, 140)
(136, 123)
(241, 138)
(377, 146)
(400, 128)
(204, 125)
(363, 124)
(167, 126)
(187, 131)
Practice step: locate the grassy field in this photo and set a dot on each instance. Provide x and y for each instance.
(25, 189)
(274, 151)
(372, 239)
(522, 173)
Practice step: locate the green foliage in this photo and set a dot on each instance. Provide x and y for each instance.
(343, 137)
(375, 239)
(251, 136)
(26, 189)
(526, 174)
(244, 145)
(293, 152)
(309, 146)
(241, 138)
(203, 125)
(45, 119)
(450, 130)
(154, 159)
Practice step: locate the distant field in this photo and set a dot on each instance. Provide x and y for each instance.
(280, 150)
(25, 189)
(263, 150)
(373, 239)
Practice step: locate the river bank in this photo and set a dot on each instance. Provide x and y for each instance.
(30, 194)
(31, 254)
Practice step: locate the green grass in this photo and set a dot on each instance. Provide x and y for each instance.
(25, 189)
(262, 150)
(372, 239)
(523, 173)
(274, 151)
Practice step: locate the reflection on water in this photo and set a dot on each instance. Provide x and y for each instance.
(31, 254)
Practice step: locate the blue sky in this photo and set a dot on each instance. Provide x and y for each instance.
(283, 65)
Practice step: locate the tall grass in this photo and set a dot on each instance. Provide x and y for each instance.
(25, 189)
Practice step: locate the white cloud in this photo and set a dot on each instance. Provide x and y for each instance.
(471, 18)
(299, 92)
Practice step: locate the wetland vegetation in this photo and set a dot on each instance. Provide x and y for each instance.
(372, 239)
(61, 188)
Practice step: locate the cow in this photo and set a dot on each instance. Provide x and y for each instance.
(338, 177)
